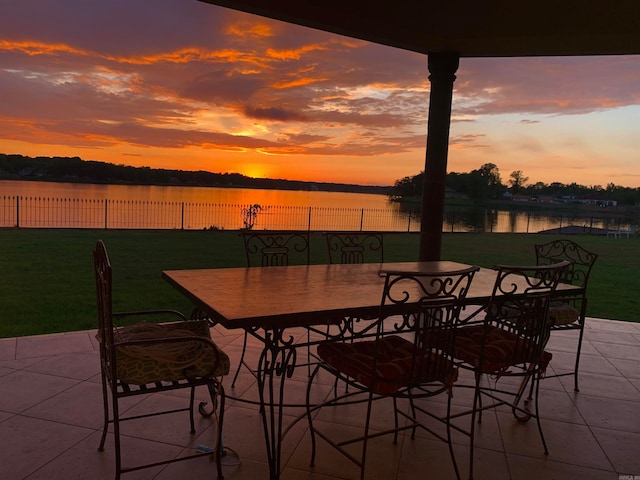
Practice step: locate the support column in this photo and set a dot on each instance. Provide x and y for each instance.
(442, 69)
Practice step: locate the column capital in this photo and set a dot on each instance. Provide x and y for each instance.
(443, 65)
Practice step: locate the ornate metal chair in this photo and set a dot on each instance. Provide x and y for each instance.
(509, 341)
(350, 248)
(355, 247)
(568, 311)
(409, 358)
(272, 248)
(146, 358)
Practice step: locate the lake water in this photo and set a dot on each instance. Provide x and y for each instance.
(240, 196)
(72, 205)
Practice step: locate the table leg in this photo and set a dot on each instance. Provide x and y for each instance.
(277, 362)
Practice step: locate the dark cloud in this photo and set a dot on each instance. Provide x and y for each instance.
(223, 87)
(302, 138)
(549, 86)
(468, 141)
(276, 114)
(119, 27)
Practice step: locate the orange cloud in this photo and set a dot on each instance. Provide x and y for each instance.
(298, 82)
(249, 29)
(180, 56)
(33, 48)
(294, 53)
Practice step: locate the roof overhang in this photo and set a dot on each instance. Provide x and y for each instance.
(470, 28)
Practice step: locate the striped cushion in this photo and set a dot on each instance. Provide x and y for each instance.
(399, 364)
(502, 349)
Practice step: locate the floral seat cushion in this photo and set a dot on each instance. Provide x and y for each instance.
(562, 313)
(395, 366)
(149, 353)
(502, 349)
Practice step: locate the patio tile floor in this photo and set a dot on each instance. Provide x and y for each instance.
(51, 410)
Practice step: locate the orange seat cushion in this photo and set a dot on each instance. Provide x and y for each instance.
(399, 364)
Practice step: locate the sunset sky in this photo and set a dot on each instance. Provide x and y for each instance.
(187, 85)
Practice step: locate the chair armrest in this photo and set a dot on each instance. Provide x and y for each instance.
(559, 296)
(159, 341)
(149, 312)
(471, 321)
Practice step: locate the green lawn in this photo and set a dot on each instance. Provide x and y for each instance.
(47, 281)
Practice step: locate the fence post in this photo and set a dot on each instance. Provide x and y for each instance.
(528, 219)
(361, 218)
(17, 211)
(409, 225)
(182, 218)
(309, 220)
(106, 213)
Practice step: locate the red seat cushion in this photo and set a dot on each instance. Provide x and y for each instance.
(502, 349)
(399, 363)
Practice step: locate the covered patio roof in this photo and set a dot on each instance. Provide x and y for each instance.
(447, 30)
(471, 28)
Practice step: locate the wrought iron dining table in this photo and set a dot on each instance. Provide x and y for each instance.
(269, 302)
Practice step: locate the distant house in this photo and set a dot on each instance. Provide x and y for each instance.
(520, 198)
(599, 202)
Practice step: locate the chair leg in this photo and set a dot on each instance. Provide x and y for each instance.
(449, 439)
(395, 419)
(312, 432)
(518, 412)
(479, 399)
(192, 398)
(116, 436)
(105, 400)
(536, 379)
(308, 353)
(241, 362)
(365, 440)
(530, 396)
(477, 407)
(578, 350)
(413, 414)
(218, 398)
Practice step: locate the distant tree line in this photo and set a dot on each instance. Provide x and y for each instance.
(485, 183)
(75, 169)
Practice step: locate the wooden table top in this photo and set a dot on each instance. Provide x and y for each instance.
(302, 295)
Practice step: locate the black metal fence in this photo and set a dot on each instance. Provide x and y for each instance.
(39, 212)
